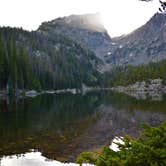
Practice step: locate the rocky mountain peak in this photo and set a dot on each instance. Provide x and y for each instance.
(144, 45)
(87, 30)
(91, 22)
(152, 28)
(158, 20)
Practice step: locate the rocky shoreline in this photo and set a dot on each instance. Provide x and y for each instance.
(34, 93)
(153, 88)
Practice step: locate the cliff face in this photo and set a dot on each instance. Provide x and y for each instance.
(70, 51)
(144, 45)
(87, 30)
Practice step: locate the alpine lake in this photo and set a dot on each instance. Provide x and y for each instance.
(52, 128)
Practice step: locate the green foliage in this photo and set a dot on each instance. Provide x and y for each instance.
(131, 74)
(29, 60)
(36, 84)
(3, 64)
(148, 150)
(87, 157)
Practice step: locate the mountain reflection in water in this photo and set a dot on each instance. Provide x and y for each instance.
(62, 126)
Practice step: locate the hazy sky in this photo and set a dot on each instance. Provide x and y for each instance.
(119, 16)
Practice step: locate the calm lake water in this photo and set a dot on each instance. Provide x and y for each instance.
(64, 125)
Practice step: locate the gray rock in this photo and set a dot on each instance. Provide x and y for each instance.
(142, 46)
(153, 89)
(31, 93)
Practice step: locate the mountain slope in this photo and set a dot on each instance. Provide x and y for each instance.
(87, 30)
(50, 62)
(144, 45)
(70, 51)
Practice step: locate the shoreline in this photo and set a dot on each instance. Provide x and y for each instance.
(152, 87)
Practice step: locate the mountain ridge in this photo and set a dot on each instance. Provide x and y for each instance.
(135, 48)
(144, 45)
(87, 30)
(65, 54)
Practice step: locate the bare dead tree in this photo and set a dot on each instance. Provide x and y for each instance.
(162, 7)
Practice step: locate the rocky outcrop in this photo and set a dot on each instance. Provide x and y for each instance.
(144, 45)
(78, 37)
(87, 30)
(153, 89)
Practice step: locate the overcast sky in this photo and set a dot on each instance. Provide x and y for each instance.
(119, 16)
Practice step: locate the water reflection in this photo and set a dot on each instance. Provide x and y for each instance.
(33, 159)
(62, 126)
(48, 123)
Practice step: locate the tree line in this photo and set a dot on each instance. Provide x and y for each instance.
(15, 66)
(130, 74)
(29, 60)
